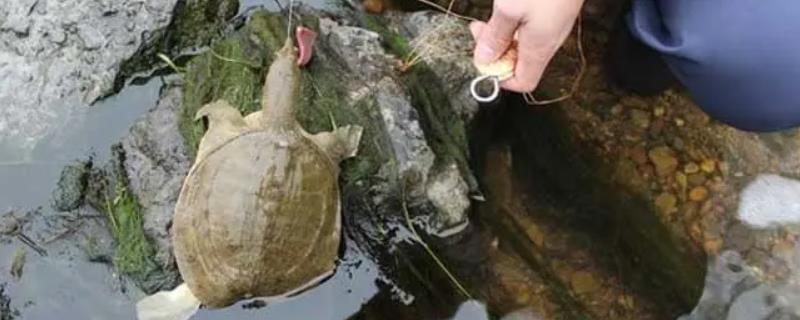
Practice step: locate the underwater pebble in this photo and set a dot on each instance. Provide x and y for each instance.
(698, 193)
(616, 109)
(583, 282)
(666, 202)
(638, 155)
(691, 167)
(664, 160)
(712, 246)
(682, 180)
(656, 128)
(697, 179)
(739, 237)
(708, 166)
(9, 223)
(640, 118)
(536, 235)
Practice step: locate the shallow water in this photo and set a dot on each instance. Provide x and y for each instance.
(86, 130)
(65, 284)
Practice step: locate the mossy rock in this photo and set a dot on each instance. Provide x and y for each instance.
(134, 252)
(196, 23)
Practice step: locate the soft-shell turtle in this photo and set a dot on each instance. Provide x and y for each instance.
(258, 214)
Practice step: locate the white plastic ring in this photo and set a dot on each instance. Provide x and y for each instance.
(473, 88)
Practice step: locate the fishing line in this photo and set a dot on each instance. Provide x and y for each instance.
(289, 24)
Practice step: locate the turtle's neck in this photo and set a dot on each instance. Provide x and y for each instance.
(281, 87)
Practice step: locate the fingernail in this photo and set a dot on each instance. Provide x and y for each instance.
(484, 53)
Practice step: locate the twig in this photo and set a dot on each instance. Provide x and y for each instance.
(531, 100)
(428, 248)
(280, 7)
(30, 243)
(63, 234)
(169, 62)
(226, 59)
(448, 11)
(426, 44)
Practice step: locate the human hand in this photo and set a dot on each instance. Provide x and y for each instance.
(539, 26)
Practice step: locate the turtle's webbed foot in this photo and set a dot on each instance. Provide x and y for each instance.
(341, 143)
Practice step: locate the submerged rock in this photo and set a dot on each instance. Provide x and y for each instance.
(738, 290)
(71, 186)
(758, 276)
(6, 313)
(9, 224)
(770, 200)
(448, 193)
(474, 310)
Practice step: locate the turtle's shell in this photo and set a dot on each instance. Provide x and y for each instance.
(257, 217)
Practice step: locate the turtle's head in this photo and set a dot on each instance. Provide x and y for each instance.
(219, 111)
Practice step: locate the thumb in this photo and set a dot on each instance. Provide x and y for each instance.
(495, 37)
(476, 27)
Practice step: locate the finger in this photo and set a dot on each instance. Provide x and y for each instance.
(532, 59)
(495, 37)
(476, 27)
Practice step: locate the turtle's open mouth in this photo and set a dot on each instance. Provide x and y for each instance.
(305, 43)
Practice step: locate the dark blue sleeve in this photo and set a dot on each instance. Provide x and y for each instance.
(739, 59)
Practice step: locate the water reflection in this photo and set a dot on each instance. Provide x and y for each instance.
(339, 297)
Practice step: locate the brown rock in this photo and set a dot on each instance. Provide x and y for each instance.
(697, 179)
(712, 246)
(638, 155)
(657, 127)
(783, 248)
(617, 109)
(640, 118)
(708, 165)
(583, 282)
(739, 237)
(690, 168)
(646, 171)
(698, 193)
(663, 158)
(682, 181)
(536, 235)
(659, 111)
(562, 269)
(666, 203)
(374, 6)
(724, 168)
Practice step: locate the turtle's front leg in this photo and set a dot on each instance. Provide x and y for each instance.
(341, 143)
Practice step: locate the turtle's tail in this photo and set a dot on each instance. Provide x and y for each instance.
(178, 304)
